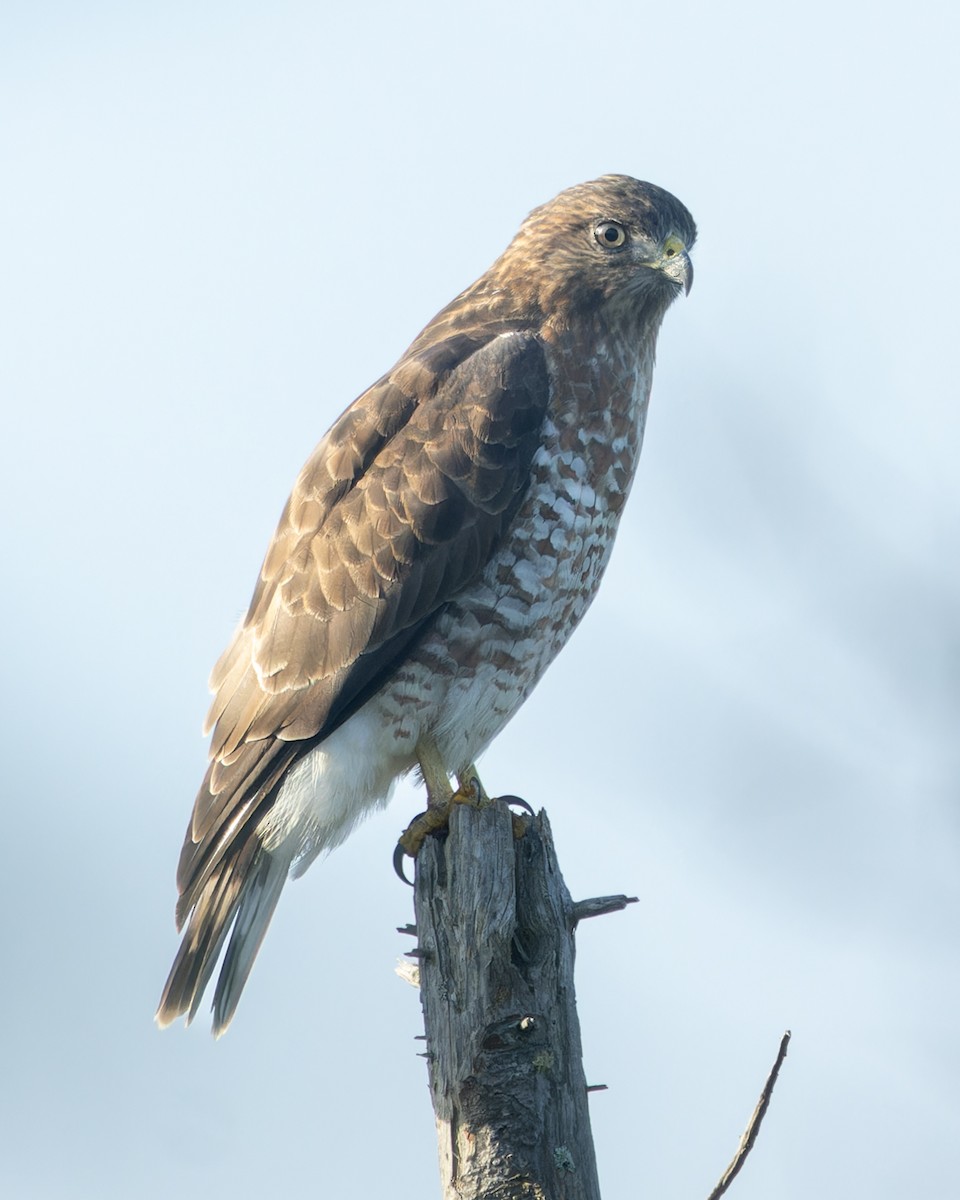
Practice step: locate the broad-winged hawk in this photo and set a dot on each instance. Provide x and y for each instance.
(440, 546)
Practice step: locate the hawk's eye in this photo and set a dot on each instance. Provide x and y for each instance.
(610, 234)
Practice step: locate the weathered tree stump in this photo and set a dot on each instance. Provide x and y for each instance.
(495, 929)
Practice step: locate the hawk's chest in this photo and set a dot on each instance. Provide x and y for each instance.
(595, 421)
(492, 642)
(551, 562)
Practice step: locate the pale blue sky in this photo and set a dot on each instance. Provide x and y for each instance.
(218, 227)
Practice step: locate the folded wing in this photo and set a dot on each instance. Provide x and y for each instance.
(397, 510)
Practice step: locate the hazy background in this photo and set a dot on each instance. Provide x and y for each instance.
(220, 223)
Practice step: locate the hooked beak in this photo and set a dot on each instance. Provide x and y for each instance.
(679, 268)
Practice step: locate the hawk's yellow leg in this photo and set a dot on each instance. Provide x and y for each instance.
(440, 796)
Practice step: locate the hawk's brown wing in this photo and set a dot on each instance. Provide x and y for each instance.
(397, 510)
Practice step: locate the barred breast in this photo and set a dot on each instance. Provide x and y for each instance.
(491, 645)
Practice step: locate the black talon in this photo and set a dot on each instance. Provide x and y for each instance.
(398, 857)
(516, 802)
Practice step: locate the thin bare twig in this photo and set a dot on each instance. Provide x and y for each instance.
(753, 1125)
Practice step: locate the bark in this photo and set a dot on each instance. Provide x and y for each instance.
(495, 927)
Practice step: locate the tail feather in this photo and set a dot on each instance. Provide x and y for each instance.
(238, 898)
(257, 902)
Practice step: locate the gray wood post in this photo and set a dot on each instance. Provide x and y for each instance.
(495, 932)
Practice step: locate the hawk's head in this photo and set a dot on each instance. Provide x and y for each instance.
(613, 241)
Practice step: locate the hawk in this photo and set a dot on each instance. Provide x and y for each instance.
(440, 546)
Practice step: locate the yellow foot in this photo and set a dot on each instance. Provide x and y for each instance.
(437, 816)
